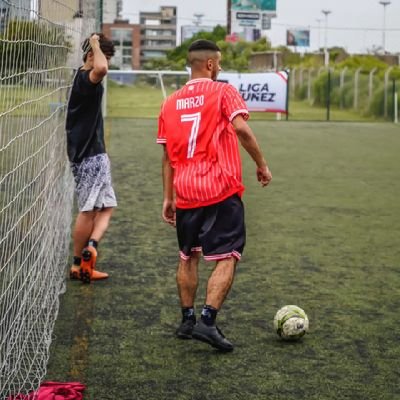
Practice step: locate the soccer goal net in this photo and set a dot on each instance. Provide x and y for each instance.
(39, 49)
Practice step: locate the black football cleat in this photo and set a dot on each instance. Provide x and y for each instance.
(185, 329)
(211, 335)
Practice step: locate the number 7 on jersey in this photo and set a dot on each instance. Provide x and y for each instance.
(195, 120)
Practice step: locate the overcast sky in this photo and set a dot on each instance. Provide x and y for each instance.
(356, 25)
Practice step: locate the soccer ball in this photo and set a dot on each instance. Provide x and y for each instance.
(291, 322)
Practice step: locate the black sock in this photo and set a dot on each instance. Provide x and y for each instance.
(208, 315)
(93, 243)
(77, 261)
(188, 313)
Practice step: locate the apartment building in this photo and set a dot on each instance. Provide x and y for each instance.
(63, 11)
(105, 11)
(126, 39)
(111, 11)
(158, 33)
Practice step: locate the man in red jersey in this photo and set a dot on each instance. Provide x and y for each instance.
(199, 126)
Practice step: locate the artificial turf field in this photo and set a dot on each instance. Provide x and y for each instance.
(324, 235)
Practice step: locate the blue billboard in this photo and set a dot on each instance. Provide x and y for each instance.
(298, 37)
(254, 5)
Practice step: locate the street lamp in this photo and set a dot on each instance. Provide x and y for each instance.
(198, 17)
(319, 33)
(326, 13)
(384, 3)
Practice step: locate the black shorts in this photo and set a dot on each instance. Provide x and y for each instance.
(217, 230)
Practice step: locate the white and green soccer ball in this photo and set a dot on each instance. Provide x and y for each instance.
(291, 322)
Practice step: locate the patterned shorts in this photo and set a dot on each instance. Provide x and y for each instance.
(93, 183)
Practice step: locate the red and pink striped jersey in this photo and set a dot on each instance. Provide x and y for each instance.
(195, 125)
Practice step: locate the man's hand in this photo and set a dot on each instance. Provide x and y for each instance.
(264, 175)
(94, 41)
(99, 62)
(168, 212)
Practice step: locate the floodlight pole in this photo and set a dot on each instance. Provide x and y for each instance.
(326, 13)
(198, 18)
(319, 33)
(228, 17)
(384, 3)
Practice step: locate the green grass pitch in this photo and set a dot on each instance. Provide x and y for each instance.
(324, 235)
(144, 101)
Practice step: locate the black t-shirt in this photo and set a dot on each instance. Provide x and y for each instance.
(84, 125)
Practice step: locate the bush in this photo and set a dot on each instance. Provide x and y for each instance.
(376, 108)
(301, 92)
(320, 87)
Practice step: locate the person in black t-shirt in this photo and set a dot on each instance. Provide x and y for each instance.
(89, 161)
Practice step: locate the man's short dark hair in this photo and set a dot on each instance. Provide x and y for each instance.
(106, 46)
(202, 44)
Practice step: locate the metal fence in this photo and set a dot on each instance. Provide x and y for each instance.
(364, 93)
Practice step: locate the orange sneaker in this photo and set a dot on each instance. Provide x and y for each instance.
(97, 275)
(74, 272)
(89, 257)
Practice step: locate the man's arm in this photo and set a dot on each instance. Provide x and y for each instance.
(100, 63)
(249, 142)
(168, 210)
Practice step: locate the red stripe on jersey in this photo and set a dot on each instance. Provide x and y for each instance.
(195, 125)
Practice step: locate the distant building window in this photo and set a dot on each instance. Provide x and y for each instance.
(122, 39)
(150, 32)
(123, 35)
(158, 43)
(152, 22)
(153, 54)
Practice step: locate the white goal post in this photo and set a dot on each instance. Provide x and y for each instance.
(262, 91)
(127, 77)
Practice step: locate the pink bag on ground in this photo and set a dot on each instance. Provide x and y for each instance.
(54, 391)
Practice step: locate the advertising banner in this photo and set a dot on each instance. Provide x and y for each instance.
(241, 20)
(256, 5)
(188, 31)
(261, 91)
(251, 14)
(298, 37)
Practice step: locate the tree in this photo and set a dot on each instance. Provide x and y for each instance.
(235, 56)
(180, 52)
